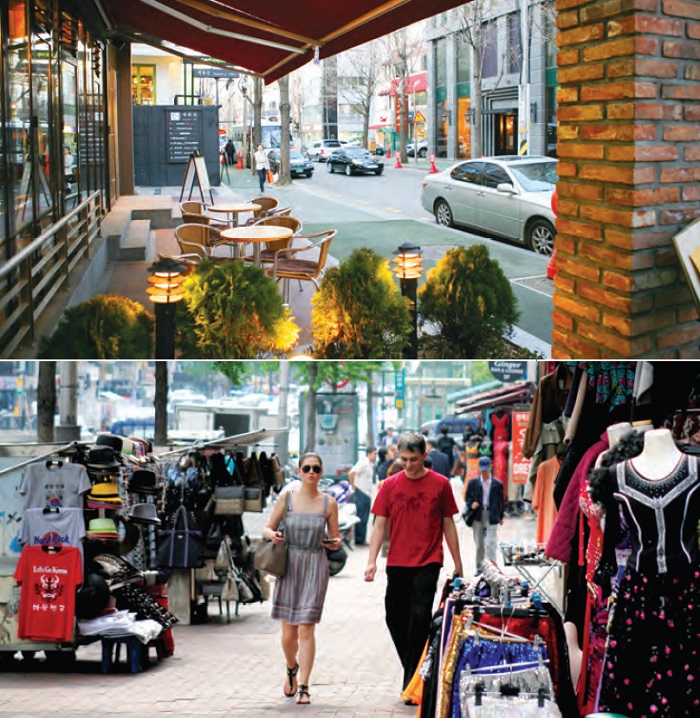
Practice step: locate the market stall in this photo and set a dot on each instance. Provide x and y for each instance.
(92, 537)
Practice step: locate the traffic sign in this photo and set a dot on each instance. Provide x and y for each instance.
(418, 117)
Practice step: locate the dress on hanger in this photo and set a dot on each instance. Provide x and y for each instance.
(652, 665)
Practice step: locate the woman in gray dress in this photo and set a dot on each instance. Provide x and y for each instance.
(309, 515)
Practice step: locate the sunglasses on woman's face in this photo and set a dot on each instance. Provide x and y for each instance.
(315, 468)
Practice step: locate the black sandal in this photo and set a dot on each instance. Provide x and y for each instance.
(291, 675)
(303, 691)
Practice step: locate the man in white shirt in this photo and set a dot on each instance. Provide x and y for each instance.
(361, 477)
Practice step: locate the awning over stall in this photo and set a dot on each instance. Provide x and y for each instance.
(269, 38)
(506, 394)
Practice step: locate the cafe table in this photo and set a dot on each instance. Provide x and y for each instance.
(233, 210)
(255, 235)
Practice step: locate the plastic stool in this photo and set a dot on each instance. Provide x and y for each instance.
(111, 648)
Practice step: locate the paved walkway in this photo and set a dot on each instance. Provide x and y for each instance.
(237, 669)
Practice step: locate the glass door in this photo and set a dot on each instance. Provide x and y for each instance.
(505, 137)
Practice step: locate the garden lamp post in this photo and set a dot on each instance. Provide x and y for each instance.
(167, 276)
(408, 269)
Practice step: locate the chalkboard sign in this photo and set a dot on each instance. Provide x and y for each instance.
(184, 134)
(196, 172)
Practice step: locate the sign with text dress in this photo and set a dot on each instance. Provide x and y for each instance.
(520, 465)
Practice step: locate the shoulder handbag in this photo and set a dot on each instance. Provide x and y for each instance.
(228, 500)
(180, 546)
(272, 558)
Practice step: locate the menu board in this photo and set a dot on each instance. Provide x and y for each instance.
(184, 134)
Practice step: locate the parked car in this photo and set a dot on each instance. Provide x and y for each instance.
(352, 160)
(508, 196)
(298, 164)
(422, 148)
(319, 151)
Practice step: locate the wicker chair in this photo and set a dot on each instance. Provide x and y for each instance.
(267, 253)
(192, 207)
(287, 264)
(202, 235)
(267, 205)
(194, 218)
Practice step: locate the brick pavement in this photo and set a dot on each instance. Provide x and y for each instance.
(237, 669)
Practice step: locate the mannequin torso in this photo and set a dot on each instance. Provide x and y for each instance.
(659, 457)
(617, 431)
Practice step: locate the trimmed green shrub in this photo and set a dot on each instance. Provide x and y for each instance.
(471, 304)
(108, 326)
(233, 310)
(358, 312)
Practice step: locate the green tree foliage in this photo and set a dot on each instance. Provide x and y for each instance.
(470, 301)
(107, 326)
(238, 372)
(358, 312)
(233, 310)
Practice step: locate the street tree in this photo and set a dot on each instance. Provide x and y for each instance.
(403, 53)
(46, 401)
(359, 84)
(285, 175)
(160, 404)
(257, 118)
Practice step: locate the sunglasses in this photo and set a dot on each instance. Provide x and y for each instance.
(315, 468)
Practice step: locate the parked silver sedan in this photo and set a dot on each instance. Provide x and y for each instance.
(507, 196)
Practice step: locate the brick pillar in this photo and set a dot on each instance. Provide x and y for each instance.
(629, 149)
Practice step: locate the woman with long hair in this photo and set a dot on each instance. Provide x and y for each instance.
(310, 523)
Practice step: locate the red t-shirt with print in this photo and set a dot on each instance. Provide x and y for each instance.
(47, 600)
(415, 509)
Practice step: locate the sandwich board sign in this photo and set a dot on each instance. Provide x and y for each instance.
(196, 172)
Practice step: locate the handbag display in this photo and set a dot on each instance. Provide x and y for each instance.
(180, 546)
(253, 499)
(228, 501)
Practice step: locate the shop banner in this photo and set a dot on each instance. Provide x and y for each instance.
(521, 465)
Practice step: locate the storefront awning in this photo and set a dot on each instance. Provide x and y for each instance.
(506, 394)
(269, 38)
(413, 83)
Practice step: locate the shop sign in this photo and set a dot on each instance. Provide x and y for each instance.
(506, 371)
(520, 465)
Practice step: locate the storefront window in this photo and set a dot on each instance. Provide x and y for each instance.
(464, 61)
(441, 125)
(19, 116)
(41, 112)
(464, 129)
(514, 51)
(489, 49)
(550, 33)
(441, 62)
(143, 82)
(69, 101)
(551, 122)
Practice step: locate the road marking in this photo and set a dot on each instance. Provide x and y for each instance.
(525, 279)
(522, 283)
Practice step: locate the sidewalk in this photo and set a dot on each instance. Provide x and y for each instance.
(237, 669)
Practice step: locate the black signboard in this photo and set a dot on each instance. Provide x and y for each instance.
(506, 371)
(184, 134)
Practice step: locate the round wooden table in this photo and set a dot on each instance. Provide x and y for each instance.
(233, 210)
(256, 235)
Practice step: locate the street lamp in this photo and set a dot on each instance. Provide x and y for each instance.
(408, 269)
(167, 276)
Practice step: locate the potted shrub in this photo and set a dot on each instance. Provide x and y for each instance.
(233, 310)
(358, 312)
(470, 303)
(107, 326)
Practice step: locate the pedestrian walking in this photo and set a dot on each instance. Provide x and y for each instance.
(440, 463)
(360, 477)
(262, 165)
(389, 437)
(298, 597)
(230, 150)
(446, 444)
(387, 456)
(419, 505)
(483, 510)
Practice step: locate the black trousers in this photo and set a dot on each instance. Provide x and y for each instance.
(409, 606)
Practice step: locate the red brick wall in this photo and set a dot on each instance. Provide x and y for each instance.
(629, 149)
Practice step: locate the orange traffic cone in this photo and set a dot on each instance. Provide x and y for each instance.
(551, 268)
(433, 169)
(398, 164)
(239, 164)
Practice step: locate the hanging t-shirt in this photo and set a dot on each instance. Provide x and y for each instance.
(49, 485)
(47, 600)
(63, 528)
(543, 498)
(415, 508)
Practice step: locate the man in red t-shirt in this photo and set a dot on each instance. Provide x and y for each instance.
(419, 505)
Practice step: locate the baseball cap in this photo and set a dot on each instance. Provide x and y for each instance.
(484, 463)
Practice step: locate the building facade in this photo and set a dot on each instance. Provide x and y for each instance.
(518, 79)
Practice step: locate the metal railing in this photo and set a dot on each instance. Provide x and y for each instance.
(30, 280)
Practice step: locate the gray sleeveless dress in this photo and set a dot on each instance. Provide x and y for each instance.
(299, 595)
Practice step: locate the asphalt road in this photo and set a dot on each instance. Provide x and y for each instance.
(384, 211)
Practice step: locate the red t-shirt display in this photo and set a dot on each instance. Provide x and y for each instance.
(415, 509)
(49, 580)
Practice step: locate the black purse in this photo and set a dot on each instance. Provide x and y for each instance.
(180, 546)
